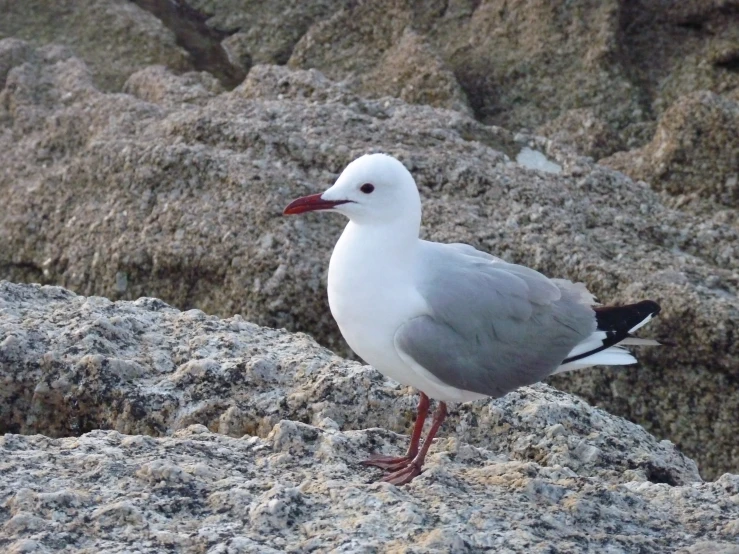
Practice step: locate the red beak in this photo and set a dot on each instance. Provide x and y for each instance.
(311, 203)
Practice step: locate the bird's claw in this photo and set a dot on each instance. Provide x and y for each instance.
(404, 475)
(388, 463)
(403, 469)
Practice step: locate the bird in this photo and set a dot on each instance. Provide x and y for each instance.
(453, 322)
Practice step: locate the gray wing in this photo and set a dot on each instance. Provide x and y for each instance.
(493, 326)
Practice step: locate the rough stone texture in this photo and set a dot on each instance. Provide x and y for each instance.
(678, 47)
(266, 31)
(500, 54)
(72, 364)
(525, 63)
(594, 75)
(412, 71)
(583, 131)
(114, 38)
(177, 193)
(694, 151)
(378, 53)
(258, 436)
(154, 85)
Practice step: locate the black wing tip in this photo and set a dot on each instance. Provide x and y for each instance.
(620, 320)
(649, 307)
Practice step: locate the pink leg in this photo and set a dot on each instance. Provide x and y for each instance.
(394, 463)
(413, 469)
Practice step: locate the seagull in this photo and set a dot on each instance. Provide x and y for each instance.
(455, 323)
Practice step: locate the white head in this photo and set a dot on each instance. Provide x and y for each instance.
(375, 189)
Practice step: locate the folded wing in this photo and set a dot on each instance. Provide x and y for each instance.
(492, 326)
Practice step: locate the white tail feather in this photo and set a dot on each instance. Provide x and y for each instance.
(615, 355)
(594, 341)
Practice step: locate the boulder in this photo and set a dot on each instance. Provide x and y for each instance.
(595, 76)
(695, 151)
(114, 38)
(525, 64)
(265, 32)
(176, 190)
(583, 131)
(164, 429)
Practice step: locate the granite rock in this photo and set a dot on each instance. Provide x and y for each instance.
(695, 151)
(581, 130)
(523, 64)
(114, 38)
(195, 433)
(265, 32)
(596, 76)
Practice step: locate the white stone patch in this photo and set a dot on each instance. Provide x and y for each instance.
(533, 159)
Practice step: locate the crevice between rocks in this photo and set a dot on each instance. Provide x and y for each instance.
(203, 43)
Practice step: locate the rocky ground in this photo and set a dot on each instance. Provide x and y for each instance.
(185, 432)
(148, 147)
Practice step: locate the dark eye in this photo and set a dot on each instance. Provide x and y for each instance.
(367, 188)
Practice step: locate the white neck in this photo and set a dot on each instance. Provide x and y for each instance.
(381, 244)
(367, 256)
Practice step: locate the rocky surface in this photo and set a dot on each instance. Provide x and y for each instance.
(265, 31)
(695, 151)
(114, 38)
(223, 436)
(518, 64)
(597, 76)
(175, 190)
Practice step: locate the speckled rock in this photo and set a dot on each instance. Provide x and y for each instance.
(695, 150)
(264, 31)
(301, 489)
(527, 63)
(378, 53)
(413, 71)
(177, 193)
(583, 131)
(114, 38)
(521, 63)
(154, 84)
(72, 364)
(255, 437)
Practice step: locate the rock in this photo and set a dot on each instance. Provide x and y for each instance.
(114, 38)
(204, 491)
(683, 47)
(695, 150)
(535, 466)
(496, 51)
(13, 52)
(157, 85)
(266, 32)
(412, 71)
(520, 64)
(527, 63)
(176, 191)
(380, 57)
(582, 130)
(532, 64)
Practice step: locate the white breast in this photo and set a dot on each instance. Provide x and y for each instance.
(370, 297)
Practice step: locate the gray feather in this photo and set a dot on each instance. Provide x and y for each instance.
(493, 326)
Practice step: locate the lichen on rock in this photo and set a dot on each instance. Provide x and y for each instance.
(161, 470)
